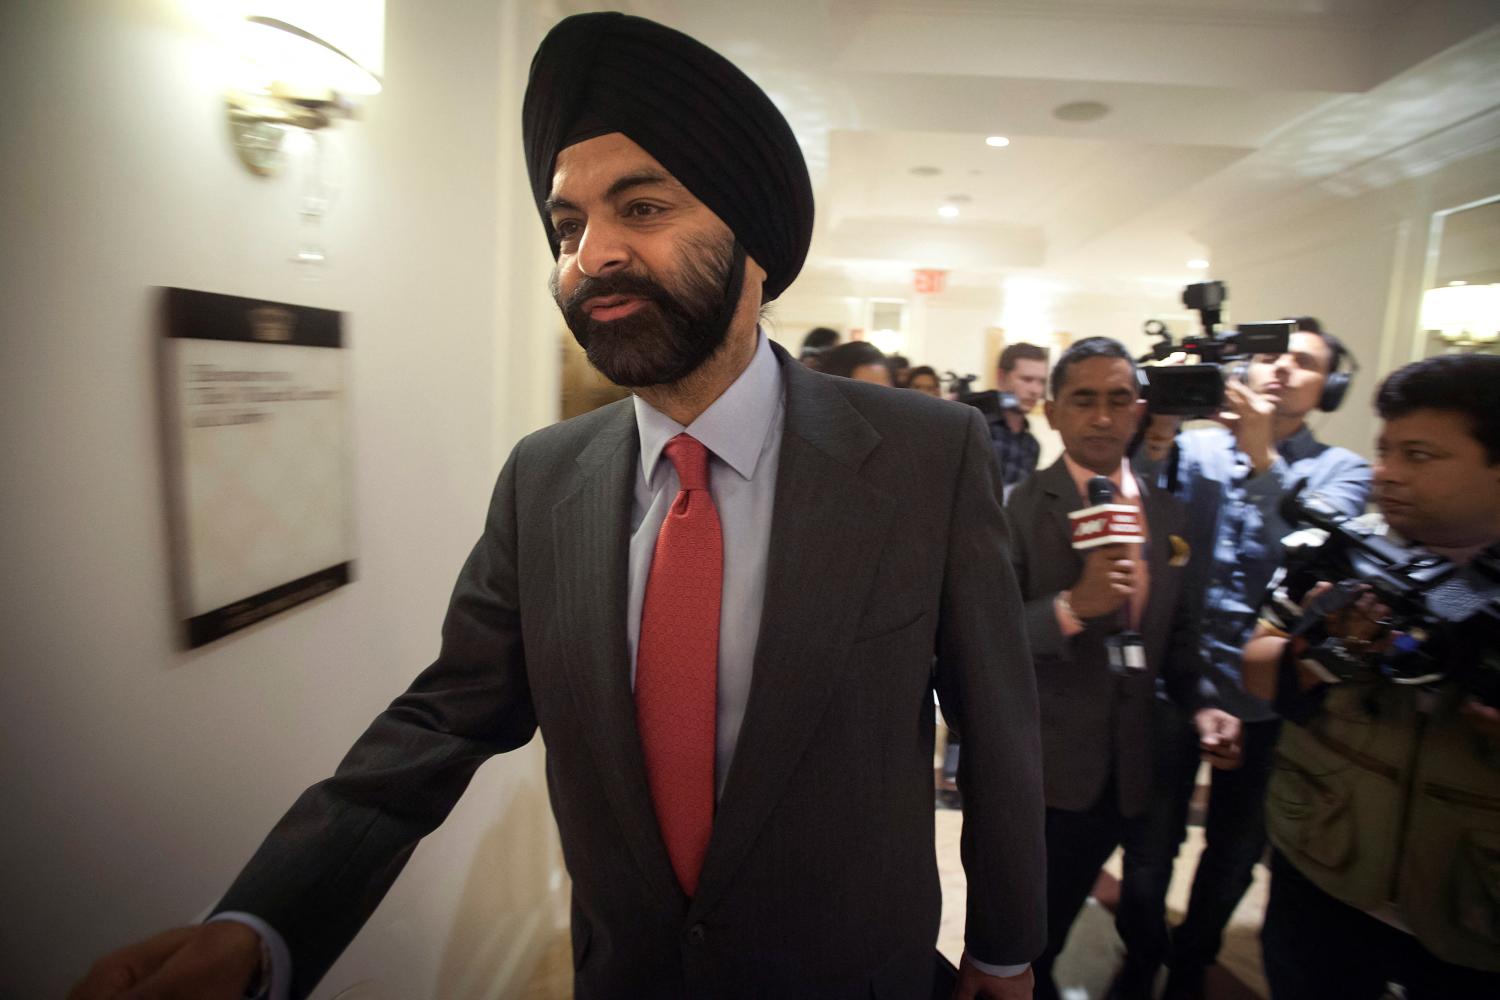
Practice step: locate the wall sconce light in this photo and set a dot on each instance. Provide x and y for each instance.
(306, 63)
(1467, 317)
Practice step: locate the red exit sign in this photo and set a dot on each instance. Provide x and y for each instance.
(929, 281)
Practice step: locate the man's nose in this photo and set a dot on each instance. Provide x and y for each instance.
(601, 250)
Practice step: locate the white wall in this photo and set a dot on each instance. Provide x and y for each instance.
(945, 330)
(139, 777)
(1357, 263)
(948, 330)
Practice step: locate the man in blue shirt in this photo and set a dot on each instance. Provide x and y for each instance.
(1233, 479)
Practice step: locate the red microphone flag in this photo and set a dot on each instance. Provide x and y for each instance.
(1106, 524)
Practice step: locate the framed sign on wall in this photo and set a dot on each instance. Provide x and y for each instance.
(258, 458)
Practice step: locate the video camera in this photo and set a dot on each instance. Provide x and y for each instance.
(990, 402)
(1445, 618)
(1197, 390)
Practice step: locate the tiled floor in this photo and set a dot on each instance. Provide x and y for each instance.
(1088, 963)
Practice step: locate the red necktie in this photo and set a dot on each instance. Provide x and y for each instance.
(677, 664)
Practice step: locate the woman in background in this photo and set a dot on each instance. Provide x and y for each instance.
(924, 379)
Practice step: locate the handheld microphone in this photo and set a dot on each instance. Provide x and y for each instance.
(1101, 490)
(1104, 522)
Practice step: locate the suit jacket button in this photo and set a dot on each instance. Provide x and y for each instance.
(696, 934)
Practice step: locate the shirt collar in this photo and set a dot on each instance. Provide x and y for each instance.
(733, 427)
(1122, 477)
(1301, 444)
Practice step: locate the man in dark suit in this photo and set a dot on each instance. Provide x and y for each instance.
(1102, 723)
(688, 593)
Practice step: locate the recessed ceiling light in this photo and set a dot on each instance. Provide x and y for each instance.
(1198, 264)
(1455, 284)
(948, 211)
(1080, 111)
(997, 141)
(925, 171)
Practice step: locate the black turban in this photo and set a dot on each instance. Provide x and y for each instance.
(690, 108)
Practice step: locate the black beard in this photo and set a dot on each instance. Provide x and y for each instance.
(675, 331)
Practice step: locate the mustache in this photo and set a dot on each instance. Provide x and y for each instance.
(632, 285)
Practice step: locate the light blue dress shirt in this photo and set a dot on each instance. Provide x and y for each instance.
(742, 432)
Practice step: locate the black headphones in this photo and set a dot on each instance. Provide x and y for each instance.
(1336, 387)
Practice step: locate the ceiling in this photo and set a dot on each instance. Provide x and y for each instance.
(1211, 105)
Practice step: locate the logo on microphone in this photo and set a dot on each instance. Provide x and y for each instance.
(1093, 527)
(1106, 524)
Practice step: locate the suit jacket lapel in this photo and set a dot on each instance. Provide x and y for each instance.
(590, 536)
(826, 533)
(1062, 493)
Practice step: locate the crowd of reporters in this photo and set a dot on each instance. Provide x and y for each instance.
(1339, 670)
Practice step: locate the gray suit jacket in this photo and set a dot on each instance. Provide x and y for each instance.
(820, 878)
(1094, 720)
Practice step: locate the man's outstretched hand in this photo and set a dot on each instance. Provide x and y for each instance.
(213, 961)
(975, 985)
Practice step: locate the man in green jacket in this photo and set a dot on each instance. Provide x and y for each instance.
(1384, 802)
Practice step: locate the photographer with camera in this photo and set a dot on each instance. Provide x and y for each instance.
(1021, 378)
(1384, 805)
(1233, 479)
(1110, 614)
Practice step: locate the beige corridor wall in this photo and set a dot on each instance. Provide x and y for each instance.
(138, 777)
(1357, 263)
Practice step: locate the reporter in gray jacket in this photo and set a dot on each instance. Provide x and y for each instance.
(1106, 751)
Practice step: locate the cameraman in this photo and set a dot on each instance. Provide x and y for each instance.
(1233, 479)
(1384, 808)
(1021, 372)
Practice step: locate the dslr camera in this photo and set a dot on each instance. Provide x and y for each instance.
(1444, 618)
(1197, 390)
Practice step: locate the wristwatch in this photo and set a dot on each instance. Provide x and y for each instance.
(1065, 605)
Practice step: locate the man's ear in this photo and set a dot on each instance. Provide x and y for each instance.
(754, 271)
(752, 291)
(1048, 407)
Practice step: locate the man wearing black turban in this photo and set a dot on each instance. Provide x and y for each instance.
(800, 746)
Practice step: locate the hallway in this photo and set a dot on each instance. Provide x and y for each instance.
(1094, 951)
